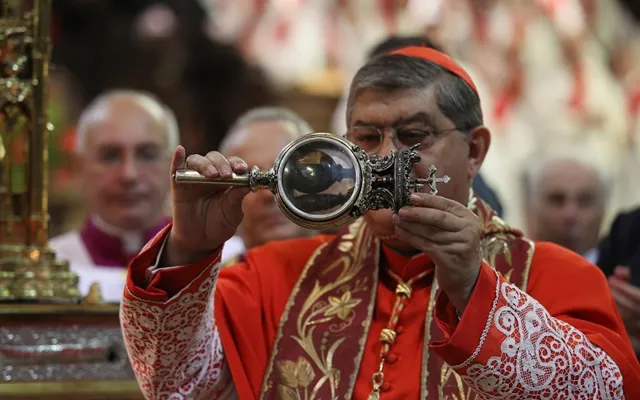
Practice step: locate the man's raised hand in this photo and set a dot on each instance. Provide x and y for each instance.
(204, 216)
(449, 233)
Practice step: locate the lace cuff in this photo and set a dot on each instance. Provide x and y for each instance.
(526, 353)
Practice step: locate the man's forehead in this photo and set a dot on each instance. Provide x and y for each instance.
(387, 107)
(567, 175)
(118, 123)
(260, 143)
(274, 128)
(258, 132)
(123, 136)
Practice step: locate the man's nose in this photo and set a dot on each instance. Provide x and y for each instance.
(129, 170)
(387, 146)
(571, 211)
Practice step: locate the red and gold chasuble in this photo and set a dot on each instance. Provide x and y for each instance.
(322, 334)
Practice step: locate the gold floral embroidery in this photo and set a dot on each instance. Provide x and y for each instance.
(342, 306)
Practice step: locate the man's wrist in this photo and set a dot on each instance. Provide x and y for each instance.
(460, 297)
(176, 253)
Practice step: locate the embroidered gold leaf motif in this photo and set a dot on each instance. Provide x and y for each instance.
(305, 372)
(342, 306)
(507, 253)
(451, 385)
(336, 375)
(507, 276)
(288, 374)
(495, 220)
(286, 393)
(345, 247)
(294, 374)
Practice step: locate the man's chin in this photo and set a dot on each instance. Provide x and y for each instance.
(400, 246)
(381, 222)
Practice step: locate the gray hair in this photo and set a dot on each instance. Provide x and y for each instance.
(456, 99)
(541, 165)
(96, 111)
(299, 127)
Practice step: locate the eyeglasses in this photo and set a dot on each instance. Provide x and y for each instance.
(370, 138)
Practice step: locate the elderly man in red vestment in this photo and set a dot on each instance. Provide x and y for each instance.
(439, 301)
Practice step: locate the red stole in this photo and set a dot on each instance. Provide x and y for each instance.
(323, 330)
(324, 327)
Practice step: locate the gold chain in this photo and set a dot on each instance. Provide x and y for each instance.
(388, 335)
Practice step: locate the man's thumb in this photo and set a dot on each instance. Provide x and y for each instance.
(179, 159)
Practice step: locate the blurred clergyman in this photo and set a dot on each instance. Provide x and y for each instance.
(480, 186)
(258, 137)
(124, 144)
(565, 202)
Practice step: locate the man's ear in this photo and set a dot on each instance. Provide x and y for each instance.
(479, 142)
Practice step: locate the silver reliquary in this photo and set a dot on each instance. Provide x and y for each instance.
(322, 181)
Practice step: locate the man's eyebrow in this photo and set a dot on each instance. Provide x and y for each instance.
(107, 145)
(362, 123)
(144, 145)
(417, 117)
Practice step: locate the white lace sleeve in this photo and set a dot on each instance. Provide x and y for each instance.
(540, 357)
(174, 347)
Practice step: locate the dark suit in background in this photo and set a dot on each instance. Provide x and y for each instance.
(621, 247)
(486, 193)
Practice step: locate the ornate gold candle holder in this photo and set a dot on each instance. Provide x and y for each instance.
(29, 271)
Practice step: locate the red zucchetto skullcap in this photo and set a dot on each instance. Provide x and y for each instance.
(439, 58)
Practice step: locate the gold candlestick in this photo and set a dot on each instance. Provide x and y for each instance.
(29, 270)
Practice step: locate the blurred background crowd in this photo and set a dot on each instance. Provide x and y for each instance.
(559, 83)
(552, 72)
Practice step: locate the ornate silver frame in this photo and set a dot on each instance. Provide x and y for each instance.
(381, 182)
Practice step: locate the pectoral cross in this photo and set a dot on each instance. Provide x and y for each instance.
(433, 180)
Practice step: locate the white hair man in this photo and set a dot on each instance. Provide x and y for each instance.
(258, 137)
(124, 143)
(565, 198)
